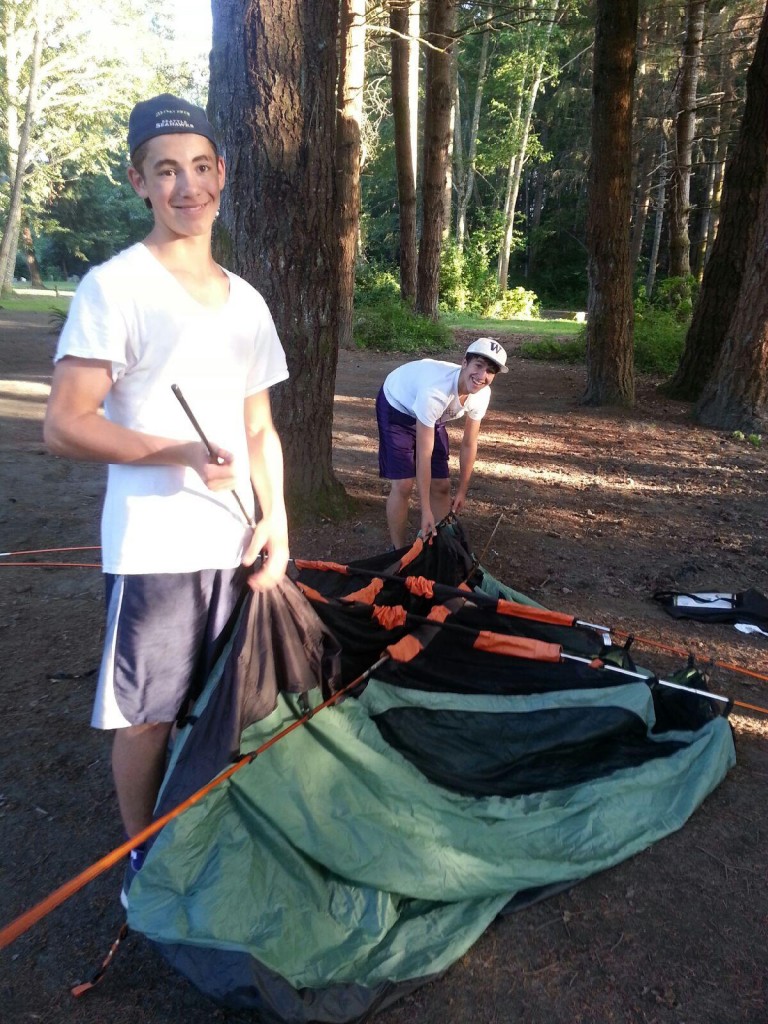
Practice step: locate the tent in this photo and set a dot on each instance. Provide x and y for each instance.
(488, 753)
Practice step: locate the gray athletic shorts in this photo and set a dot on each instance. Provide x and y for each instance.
(164, 633)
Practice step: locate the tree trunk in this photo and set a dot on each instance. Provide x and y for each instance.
(437, 137)
(736, 395)
(642, 194)
(661, 194)
(33, 266)
(351, 82)
(272, 102)
(448, 189)
(723, 136)
(467, 179)
(518, 160)
(745, 178)
(610, 317)
(18, 161)
(404, 118)
(699, 251)
(685, 125)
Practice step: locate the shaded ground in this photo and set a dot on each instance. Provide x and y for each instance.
(587, 511)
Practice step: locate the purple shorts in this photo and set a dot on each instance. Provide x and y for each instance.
(164, 634)
(397, 444)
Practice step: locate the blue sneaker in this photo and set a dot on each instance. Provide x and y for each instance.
(132, 869)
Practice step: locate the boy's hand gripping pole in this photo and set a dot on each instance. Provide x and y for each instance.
(183, 403)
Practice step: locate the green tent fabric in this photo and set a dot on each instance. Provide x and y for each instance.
(325, 874)
(335, 871)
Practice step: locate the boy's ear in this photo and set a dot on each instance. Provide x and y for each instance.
(222, 168)
(137, 181)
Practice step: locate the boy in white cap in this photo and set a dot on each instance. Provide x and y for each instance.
(175, 540)
(412, 408)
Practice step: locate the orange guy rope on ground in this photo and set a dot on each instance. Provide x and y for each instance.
(683, 653)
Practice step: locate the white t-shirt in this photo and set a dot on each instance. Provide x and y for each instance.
(133, 312)
(428, 390)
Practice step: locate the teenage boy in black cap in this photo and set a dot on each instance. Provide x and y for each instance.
(412, 408)
(174, 539)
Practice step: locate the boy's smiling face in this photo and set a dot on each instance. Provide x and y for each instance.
(477, 372)
(182, 177)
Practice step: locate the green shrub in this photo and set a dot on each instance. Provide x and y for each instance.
(389, 325)
(514, 304)
(374, 282)
(675, 295)
(454, 293)
(556, 351)
(659, 341)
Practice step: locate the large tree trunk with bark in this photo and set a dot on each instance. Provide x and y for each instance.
(437, 136)
(681, 153)
(348, 152)
(273, 104)
(736, 395)
(404, 113)
(610, 316)
(745, 178)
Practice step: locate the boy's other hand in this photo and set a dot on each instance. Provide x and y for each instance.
(270, 540)
(215, 469)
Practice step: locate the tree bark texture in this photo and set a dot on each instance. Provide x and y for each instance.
(403, 117)
(736, 395)
(348, 148)
(681, 154)
(745, 177)
(610, 316)
(272, 102)
(437, 136)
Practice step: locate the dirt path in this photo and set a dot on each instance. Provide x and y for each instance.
(588, 512)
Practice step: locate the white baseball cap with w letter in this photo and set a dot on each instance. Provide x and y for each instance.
(489, 349)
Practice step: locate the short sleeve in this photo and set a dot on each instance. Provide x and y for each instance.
(95, 327)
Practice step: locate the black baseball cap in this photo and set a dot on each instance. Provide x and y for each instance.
(166, 115)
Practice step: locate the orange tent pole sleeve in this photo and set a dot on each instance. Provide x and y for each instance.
(517, 646)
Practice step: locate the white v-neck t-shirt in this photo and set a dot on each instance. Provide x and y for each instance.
(428, 389)
(132, 312)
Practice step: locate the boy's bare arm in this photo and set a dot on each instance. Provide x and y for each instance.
(75, 428)
(467, 456)
(425, 444)
(266, 458)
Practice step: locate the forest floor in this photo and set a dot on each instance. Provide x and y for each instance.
(587, 511)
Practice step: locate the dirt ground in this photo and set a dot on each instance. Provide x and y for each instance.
(588, 511)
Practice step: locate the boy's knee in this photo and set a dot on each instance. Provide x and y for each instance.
(401, 488)
(441, 488)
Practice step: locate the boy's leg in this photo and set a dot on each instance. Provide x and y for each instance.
(138, 765)
(440, 498)
(398, 501)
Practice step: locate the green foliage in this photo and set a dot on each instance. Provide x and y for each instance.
(555, 351)
(659, 341)
(756, 440)
(675, 295)
(385, 323)
(467, 282)
(515, 303)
